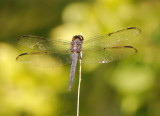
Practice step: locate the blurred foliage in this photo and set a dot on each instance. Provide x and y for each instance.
(128, 87)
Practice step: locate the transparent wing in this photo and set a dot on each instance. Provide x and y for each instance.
(46, 59)
(118, 38)
(45, 52)
(108, 54)
(110, 47)
(42, 44)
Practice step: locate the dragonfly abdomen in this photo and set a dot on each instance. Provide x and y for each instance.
(73, 69)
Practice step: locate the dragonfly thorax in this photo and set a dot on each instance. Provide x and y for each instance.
(76, 45)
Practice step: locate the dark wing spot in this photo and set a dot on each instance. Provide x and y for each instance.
(124, 29)
(131, 47)
(110, 34)
(21, 55)
(123, 47)
(134, 28)
(31, 53)
(128, 46)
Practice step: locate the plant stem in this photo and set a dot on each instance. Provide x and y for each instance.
(79, 85)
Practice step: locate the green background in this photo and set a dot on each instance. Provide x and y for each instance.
(129, 87)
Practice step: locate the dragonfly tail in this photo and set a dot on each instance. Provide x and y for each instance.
(73, 69)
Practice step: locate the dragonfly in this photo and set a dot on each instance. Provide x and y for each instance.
(97, 49)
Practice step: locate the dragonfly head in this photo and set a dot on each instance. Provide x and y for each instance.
(80, 37)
